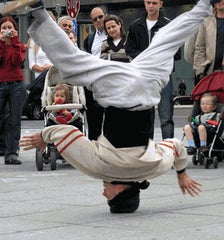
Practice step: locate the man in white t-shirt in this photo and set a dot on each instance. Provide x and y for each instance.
(141, 33)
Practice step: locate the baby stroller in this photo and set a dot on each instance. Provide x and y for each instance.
(214, 153)
(78, 102)
(32, 106)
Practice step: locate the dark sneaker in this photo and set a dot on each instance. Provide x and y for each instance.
(203, 149)
(191, 150)
(20, 4)
(2, 153)
(12, 160)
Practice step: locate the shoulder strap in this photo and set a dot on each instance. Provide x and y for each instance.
(214, 116)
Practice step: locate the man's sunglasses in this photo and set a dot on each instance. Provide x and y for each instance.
(96, 18)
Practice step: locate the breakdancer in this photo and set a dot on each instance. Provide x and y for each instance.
(134, 86)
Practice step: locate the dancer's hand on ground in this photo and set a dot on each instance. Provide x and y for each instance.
(188, 184)
(33, 141)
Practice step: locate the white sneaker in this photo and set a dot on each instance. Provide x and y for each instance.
(13, 6)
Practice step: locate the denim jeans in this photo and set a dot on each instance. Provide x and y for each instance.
(14, 95)
(165, 110)
(3, 117)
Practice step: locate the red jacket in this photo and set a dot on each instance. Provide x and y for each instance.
(11, 59)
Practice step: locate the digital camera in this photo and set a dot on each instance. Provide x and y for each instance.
(8, 33)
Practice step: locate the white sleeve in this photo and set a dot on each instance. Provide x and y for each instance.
(31, 54)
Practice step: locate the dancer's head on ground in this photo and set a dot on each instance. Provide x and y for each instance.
(123, 197)
(97, 15)
(60, 94)
(208, 102)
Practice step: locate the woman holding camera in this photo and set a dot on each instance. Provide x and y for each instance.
(12, 87)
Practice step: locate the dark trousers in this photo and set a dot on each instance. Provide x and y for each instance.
(94, 115)
(128, 128)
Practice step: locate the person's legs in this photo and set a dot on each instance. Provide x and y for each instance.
(3, 120)
(80, 68)
(134, 81)
(138, 84)
(17, 96)
(202, 135)
(3, 100)
(16, 5)
(127, 128)
(94, 115)
(165, 110)
(189, 132)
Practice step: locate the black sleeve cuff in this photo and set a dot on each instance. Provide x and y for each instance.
(181, 171)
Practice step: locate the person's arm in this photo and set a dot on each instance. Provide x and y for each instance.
(19, 52)
(200, 52)
(104, 50)
(187, 184)
(33, 141)
(32, 58)
(189, 49)
(131, 47)
(66, 112)
(177, 56)
(2, 46)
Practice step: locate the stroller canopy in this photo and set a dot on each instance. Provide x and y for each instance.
(213, 83)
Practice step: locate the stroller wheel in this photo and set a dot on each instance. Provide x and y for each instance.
(215, 162)
(201, 159)
(39, 160)
(206, 162)
(194, 160)
(53, 158)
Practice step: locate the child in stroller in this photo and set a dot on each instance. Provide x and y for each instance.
(60, 96)
(62, 104)
(204, 123)
(204, 131)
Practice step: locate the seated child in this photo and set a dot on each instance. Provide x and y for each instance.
(60, 96)
(202, 123)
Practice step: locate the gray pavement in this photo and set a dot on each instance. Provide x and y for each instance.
(65, 204)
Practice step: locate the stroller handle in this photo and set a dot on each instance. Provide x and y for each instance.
(64, 106)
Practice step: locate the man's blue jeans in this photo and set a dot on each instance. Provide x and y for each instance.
(165, 110)
(14, 94)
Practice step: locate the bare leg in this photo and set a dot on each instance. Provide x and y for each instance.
(188, 132)
(202, 133)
